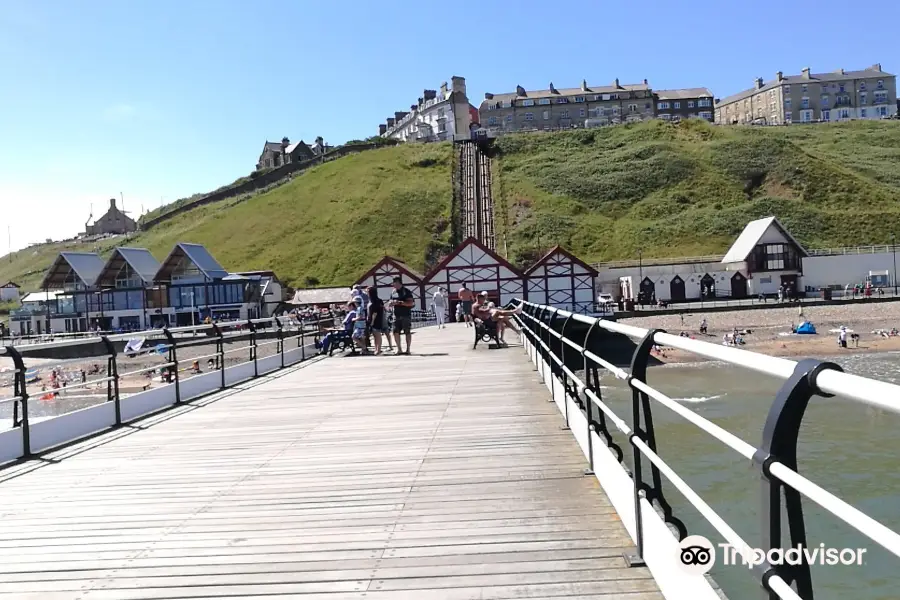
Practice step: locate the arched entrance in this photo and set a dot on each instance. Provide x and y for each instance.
(738, 285)
(648, 291)
(708, 286)
(676, 289)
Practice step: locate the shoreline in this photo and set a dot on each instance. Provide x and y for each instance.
(769, 330)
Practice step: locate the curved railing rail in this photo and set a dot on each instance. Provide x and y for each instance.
(549, 338)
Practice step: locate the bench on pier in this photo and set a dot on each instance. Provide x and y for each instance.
(486, 331)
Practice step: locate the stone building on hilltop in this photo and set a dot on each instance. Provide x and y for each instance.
(115, 221)
(276, 154)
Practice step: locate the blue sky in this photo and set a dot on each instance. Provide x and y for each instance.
(163, 99)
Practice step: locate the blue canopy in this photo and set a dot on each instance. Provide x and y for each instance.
(806, 327)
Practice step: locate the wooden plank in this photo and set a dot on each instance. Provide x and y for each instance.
(440, 476)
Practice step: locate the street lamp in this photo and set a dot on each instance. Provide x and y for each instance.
(894, 256)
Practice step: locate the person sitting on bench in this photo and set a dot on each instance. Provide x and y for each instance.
(487, 311)
(334, 332)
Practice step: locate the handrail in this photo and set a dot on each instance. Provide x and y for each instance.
(775, 457)
(171, 341)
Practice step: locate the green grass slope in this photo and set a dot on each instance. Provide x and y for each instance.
(687, 189)
(668, 190)
(330, 224)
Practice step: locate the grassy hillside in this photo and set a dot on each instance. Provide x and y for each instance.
(329, 224)
(688, 189)
(669, 190)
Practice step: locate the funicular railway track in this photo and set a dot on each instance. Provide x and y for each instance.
(476, 199)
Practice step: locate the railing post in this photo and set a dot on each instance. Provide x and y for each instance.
(640, 405)
(301, 340)
(173, 358)
(554, 370)
(539, 347)
(220, 353)
(279, 347)
(20, 391)
(779, 444)
(588, 403)
(112, 383)
(253, 347)
(565, 376)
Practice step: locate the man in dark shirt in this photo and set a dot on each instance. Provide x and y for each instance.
(402, 302)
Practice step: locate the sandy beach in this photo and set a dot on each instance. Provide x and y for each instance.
(768, 327)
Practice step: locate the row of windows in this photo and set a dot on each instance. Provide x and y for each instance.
(179, 297)
(840, 86)
(566, 100)
(702, 103)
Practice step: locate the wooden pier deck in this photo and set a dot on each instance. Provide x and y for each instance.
(442, 475)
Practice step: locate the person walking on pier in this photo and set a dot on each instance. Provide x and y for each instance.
(402, 303)
(377, 319)
(439, 305)
(466, 298)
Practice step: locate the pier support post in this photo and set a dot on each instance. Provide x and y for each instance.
(20, 391)
(112, 378)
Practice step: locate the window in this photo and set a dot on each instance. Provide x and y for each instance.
(632, 108)
(804, 102)
(880, 85)
(677, 105)
(804, 88)
(862, 113)
(491, 107)
(579, 98)
(774, 256)
(441, 113)
(564, 114)
(880, 97)
(826, 115)
(787, 102)
(704, 102)
(544, 101)
(862, 86)
(825, 101)
(863, 98)
(665, 117)
(706, 115)
(492, 120)
(442, 127)
(787, 89)
(882, 111)
(581, 112)
(546, 115)
(844, 113)
(806, 116)
(690, 104)
(663, 105)
(527, 102)
(529, 116)
(841, 88)
(507, 104)
(562, 100)
(509, 118)
(788, 118)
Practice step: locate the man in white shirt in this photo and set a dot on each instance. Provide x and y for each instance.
(439, 305)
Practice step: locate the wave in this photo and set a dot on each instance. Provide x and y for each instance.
(699, 399)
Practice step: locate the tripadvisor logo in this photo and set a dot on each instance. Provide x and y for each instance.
(697, 555)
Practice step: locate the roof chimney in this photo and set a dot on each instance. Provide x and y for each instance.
(488, 96)
(399, 115)
(520, 91)
(876, 67)
(413, 108)
(758, 83)
(616, 84)
(645, 81)
(840, 71)
(553, 89)
(421, 101)
(390, 122)
(112, 202)
(584, 86)
(382, 129)
(779, 76)
(805, 73)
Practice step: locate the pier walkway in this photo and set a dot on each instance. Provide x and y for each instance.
(445, 474)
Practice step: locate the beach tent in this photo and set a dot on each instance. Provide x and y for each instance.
(806, 328)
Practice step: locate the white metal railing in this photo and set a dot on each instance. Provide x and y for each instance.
(551, 332)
